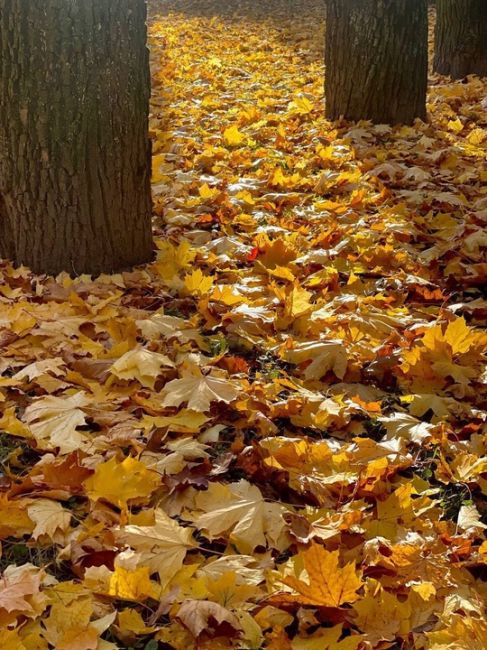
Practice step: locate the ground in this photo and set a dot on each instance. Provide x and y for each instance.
(274, 435)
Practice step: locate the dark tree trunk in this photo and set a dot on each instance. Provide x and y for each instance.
(74, 146)
(461, 38)
(376, 56)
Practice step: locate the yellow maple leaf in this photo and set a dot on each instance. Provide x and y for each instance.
(172, 259)
(197, 283)
(327, 639)
(455, 125)
(301, 106)
(459, 631)
(130, 622)
(232, 137)
(14, 519)
(199, 391)
(118, 482)
(461, 337)
(477, 136)
(324, 356)
(298, 302)
(133, 585)
(207, 192)
(226, 294)
(12, 641)
(327, 583)
(141, 364)
(282, 272)
(245, 196)
(11, 424)
(186, 421)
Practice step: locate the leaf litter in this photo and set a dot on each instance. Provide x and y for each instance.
(273, 436)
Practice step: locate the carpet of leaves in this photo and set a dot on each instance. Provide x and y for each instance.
(273, 436)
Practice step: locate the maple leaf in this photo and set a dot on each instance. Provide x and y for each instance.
(49, 517)
(20, 593)
(293, 251)
(141, 364)
(14, 519)
(120, 482)
(163, 546)
(469, 518)
(10, 423)
(239, 509)
(39, 368)
(12, 641)
(245, 568)
(207, 192)
(328, 639)
(459, 631)
(186, 421)
(324, 356)
(381, 615)
(53, 422)
(233, 137)
(69, 624)
(404, 425)
(327, 584)
(160, 324)
(226, 294)
(199, 391)
(300, 106)
(457, 335)
(133, 584)
(131, 623)
(197, 616)
(197, 283)
(298, 302)
(174, 258)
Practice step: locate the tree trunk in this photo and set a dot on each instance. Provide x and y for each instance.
(376, 56)
(74, 146)
(461, 38)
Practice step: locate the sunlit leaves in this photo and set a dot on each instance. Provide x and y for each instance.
(273, 435)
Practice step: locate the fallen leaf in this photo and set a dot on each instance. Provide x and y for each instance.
(327, 583)
(120, 482)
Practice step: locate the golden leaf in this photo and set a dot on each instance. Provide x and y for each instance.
(197, 283)
(232, 137)
(120, 482)
(133, 584)
(327, 584)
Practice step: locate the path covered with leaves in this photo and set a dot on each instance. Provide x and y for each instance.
(274, 436)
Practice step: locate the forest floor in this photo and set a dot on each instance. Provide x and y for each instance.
(274, 436)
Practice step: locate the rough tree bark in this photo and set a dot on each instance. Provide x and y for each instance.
(74, 146)
(461, 38)
(376, 56)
